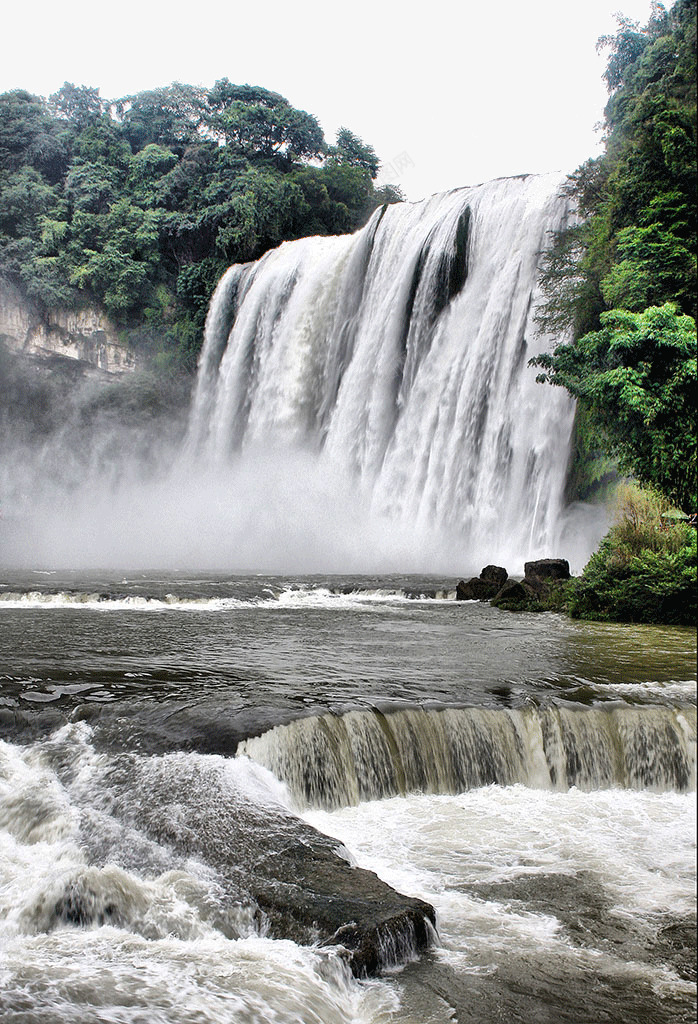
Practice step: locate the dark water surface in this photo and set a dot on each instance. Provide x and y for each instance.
(279, 644)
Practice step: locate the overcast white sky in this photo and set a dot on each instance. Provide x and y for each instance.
(448, 93)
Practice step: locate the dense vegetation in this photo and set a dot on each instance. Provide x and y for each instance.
(622, 281)
(644, 570)
(141, 203)
(624, 277)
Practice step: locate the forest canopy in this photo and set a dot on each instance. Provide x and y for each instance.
(141, 203)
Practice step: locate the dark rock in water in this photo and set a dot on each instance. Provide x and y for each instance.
(482, 587)
(80, 905)
(474, 590)
(266, 858)
(308, 891)
(515, 591)
(494, 574)
(537, 586)
(538, 590)
(548, 569)
(532, 593)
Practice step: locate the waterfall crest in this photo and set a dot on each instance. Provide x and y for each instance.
(396, 361)
(336, 760)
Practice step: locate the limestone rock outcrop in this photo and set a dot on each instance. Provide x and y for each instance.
(84, 334)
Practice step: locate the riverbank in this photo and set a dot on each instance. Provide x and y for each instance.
(653, 584)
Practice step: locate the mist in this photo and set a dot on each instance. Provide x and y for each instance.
(83, 489)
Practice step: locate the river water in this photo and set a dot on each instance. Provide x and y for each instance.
(531, 777)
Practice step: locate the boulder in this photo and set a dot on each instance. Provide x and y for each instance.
(548, 569)
(494, 574)
(295, 880)
(475, 590)
(483, 587)
(538, 586)
(515, 592)
(537, 590)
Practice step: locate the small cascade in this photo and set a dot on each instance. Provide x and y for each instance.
(396, 361)
(332, 761)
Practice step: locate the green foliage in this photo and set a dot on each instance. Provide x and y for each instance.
(637, 377)
(593, 473)
(636, 243)
(141, 203)
(29, 137)
(78, 104)
(644, 570)
(172, 116)
(655, 586)
(621, 279)
(351, 150)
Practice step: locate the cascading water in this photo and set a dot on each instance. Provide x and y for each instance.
(336, 760)
(394, 363)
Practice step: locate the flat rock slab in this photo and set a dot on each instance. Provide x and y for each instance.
(296, 880)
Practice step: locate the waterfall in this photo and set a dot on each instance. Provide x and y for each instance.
(395, 360)
(336, 760)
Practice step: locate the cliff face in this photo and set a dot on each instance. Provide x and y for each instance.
(85, 334)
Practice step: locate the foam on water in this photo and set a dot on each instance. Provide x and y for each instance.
(110, 974)
(286, 597)
(81, 941)
(638, 849)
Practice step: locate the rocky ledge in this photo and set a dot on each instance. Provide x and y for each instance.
(84, 335)
(298, 882)
(541, 582)
(308, 893)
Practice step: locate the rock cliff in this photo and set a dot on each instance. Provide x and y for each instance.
(83, 334)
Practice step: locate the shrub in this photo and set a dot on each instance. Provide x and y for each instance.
(644, 570)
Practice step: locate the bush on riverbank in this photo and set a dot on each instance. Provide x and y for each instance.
(644, 570)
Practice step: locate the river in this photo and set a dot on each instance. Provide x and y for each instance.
(530, 777)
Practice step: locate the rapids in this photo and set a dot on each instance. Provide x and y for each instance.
(201, 776)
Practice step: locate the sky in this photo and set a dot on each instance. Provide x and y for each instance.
(448, 93)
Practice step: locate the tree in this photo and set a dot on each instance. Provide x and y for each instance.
(29, 137)
(637, 376)
(260, 123)
(172, 116)
(636, 243)
(349, 149)
(79, 104)
(141, 203)
(610, 275)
